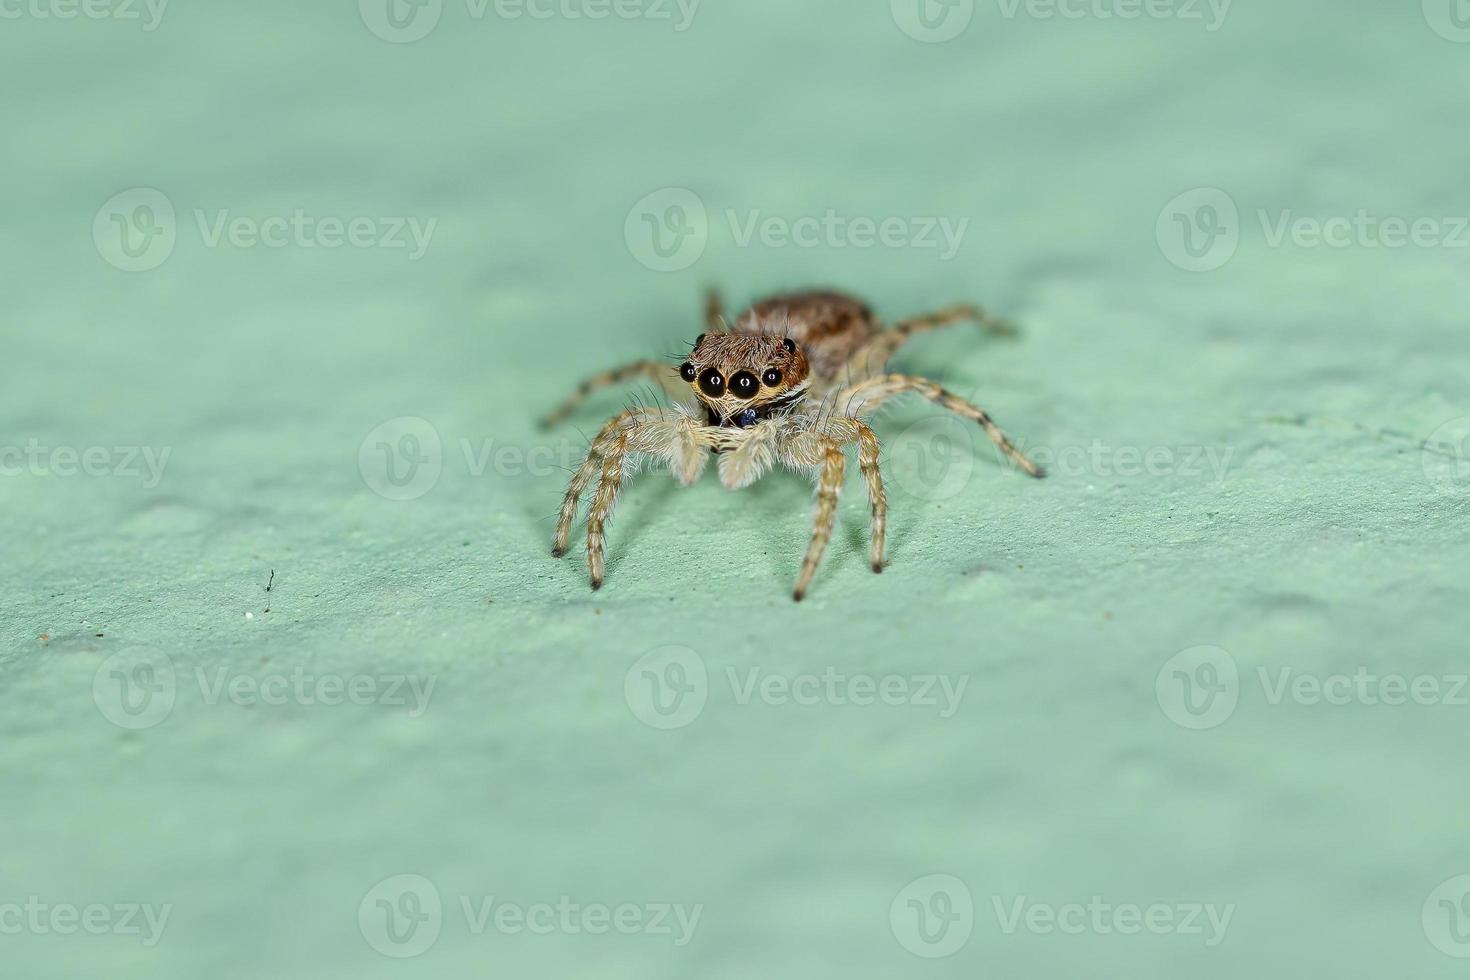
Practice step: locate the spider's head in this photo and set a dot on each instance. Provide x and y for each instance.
(742, 378)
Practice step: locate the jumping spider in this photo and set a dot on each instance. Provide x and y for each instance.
(790, 380)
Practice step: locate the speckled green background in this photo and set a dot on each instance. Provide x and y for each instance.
(1330, 543)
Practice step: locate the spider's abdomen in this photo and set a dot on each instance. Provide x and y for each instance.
(829, 326)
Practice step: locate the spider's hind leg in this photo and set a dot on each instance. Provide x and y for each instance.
(663, 374)
(876, 352)
(714, 310)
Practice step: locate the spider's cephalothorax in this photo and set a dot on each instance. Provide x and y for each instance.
(742, 379)
(790, 381)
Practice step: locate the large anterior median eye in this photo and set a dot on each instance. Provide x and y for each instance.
(744, 385)
(712, 383)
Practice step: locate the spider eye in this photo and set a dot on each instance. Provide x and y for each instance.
(687, 372)
(771, 378)
(744, 385)
(712, 383)
(790, 345)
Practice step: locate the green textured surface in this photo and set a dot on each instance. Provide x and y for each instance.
(1331, 543)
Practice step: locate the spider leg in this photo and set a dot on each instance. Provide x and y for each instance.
(829, 485)
(746, 454)
(873, 355)
(674, 437)
(609, 483)
(714, 310)
(589, 468)
(868, 448)
(665, 374)
(867, 395)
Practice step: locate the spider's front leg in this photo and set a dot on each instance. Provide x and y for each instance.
(821, 448)
(671, 436)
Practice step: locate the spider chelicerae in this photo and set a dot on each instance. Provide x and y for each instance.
(789, 380)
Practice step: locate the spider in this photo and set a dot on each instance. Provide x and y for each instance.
(790, 380)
